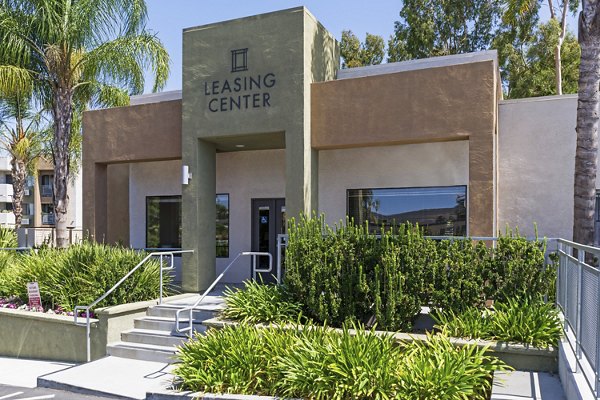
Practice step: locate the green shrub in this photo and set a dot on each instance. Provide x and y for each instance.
(438, 370)
(8, 238)
(260, 303)
(81, 273)
(346, 273)
(526, 321)
(320, 363)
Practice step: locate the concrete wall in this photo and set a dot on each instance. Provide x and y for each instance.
(161, 178)
(42, 336)
(146, 132)
(292, 49)
(244, 176)
(536, 164)
(454, 102)
(413, 165)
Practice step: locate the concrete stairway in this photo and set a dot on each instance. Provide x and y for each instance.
(154, 338)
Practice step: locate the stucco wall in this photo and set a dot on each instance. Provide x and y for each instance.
(413, 165)
(161, 178)
(244, 176)
(536, 165)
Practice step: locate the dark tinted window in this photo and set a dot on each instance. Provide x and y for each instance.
(440, 210)
(163, 222)
(222, 225)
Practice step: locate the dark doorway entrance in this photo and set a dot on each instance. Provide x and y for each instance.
(268, 220)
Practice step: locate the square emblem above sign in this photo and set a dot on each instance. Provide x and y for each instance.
(239, 60)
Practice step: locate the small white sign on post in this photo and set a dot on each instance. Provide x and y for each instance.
(33, 292)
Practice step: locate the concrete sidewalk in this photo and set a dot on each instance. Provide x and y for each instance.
(120, 378)
(523, 385)
(24, 373)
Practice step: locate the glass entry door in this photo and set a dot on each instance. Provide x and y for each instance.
(268, 220)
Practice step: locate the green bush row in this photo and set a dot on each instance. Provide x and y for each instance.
(319, 363)
(346, 273)
(80, 274)
(527, 321)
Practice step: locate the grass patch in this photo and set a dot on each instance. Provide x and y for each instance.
(320, 363)
(258, 303)
(527, 321)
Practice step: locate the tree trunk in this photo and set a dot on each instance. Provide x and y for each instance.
(63, 113)
(558, 69)
(19, 177)
(586, 153)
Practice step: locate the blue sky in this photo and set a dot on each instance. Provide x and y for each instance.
(167, 18)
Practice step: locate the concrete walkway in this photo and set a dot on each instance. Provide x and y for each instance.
(121, 378)
(24, 373)
(522, 385)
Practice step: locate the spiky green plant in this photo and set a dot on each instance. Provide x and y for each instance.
(526, 320)
(438, 370)
(316, 362)
(82, 273)
(259, 303)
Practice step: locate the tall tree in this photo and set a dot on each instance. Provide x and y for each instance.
(357, 54)
(21, 136)
(586, 152)
(529, 69)
(440, 27)
(73, 54)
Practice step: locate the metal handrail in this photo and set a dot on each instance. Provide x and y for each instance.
(191, 308)
(87, 308)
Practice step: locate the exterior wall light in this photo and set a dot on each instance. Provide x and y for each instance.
(186, 175)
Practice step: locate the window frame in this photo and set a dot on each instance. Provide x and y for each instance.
(466, 188)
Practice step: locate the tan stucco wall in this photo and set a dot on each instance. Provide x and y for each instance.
(537, 162)
(245, 176)
(436, 104)
(147, 132)
(413, 165)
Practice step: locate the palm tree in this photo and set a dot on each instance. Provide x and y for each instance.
(586, 153)
(22, 139)
(74, 54)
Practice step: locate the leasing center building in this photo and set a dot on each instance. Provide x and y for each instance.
(268, 126)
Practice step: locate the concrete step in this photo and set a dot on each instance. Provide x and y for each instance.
(145, 352)
(155, 337)
(167, 311)
(164, 324)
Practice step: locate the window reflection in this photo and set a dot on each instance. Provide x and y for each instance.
(439, 210)
(163, 222)
(222, 225)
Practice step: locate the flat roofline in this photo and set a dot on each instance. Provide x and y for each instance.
(423, 63)
(538, 99)
(155, 97)
(249, 17)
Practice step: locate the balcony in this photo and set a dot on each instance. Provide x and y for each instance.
(47, 219)
(46, 191)
(7, 218)
(6, 193)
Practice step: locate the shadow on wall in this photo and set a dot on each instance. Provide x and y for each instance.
(325, 55)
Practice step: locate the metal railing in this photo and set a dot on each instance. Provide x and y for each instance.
(86, 309)
(578, 297)
(190, 309)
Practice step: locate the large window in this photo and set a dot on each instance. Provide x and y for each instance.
(163, 222)
(439, 210)
(222, 225)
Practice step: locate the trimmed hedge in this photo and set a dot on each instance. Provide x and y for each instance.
(346, 273)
